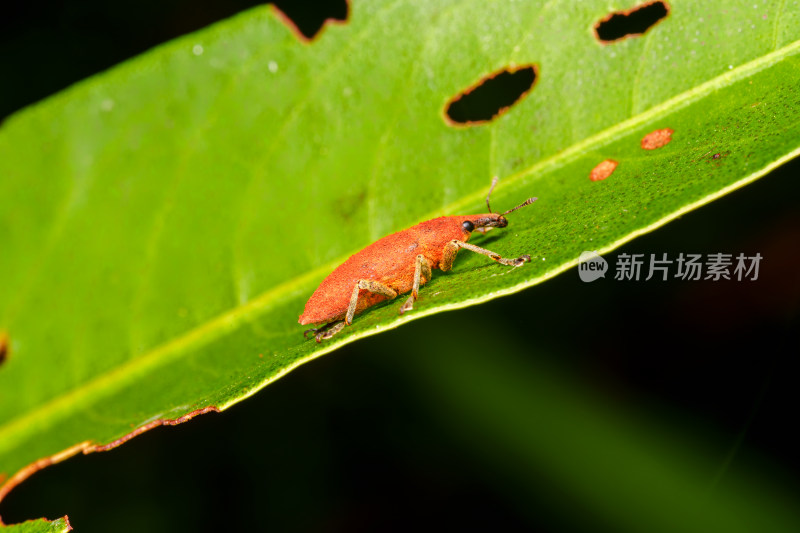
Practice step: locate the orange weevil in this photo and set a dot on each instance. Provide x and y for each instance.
(396, 264)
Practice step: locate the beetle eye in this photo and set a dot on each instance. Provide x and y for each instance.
(468, 226)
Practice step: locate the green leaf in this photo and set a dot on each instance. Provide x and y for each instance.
(163, 224)
(39, 526)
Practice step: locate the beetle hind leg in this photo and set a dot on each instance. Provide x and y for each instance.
(329, 330)
(422, 268)
(325, 332)
(371, 286)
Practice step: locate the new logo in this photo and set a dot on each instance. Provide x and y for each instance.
(591, 266)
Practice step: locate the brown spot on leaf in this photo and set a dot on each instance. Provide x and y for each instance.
(491, 96)
(603, 170)
(347, 206)
(657, 139)
(630, 22)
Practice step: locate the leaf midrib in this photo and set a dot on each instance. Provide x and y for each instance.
(16, 430)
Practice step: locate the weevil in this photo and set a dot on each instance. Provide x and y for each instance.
(396, 264)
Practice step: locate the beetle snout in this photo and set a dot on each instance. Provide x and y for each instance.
(502, 222)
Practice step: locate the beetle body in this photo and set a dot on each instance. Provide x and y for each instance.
(390, 260)
(396, 264)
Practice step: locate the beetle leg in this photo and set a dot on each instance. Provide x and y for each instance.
(451, 249)
(371, 286)
(329, 330)
(325, 332)
(421, 269)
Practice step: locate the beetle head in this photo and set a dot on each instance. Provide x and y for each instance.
(484, 222)
(490, 220)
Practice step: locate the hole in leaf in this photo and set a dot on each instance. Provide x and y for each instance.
(603, 170)
(3, 347)
(307, 17)
(657, 139)
(631, 22)
(492, 96)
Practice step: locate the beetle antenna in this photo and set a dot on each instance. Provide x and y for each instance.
(529, 201)
(494, 182)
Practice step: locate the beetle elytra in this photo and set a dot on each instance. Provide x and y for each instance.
(396, 264)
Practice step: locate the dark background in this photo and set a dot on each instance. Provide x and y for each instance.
(353, 441)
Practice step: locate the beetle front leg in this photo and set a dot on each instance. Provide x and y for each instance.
(371, 286)
(422, 268)
(452, 247)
